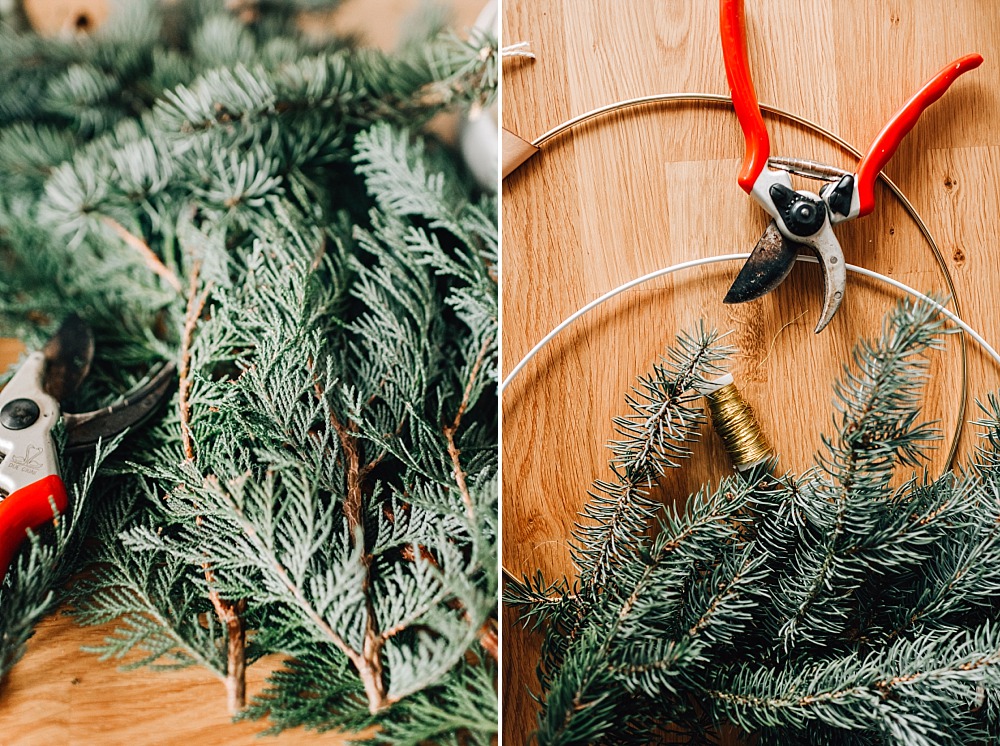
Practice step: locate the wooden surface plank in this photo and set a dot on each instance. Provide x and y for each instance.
(60, 695)
(630, 193)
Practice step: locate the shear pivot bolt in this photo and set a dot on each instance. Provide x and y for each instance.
(804, 212)
(19, 414)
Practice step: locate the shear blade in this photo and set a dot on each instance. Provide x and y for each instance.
(84, 430)
(68, 355)
(768, 265)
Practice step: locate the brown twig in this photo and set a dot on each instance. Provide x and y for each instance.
(369, 662)
(229, 613)
(195, 306)
(489, 639)
(488, 636)
(450, 430)
(148, 255)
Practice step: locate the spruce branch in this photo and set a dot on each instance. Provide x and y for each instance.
(905, 692)
(465, 69)
(879, 402)
(688, 631)
(654, 438)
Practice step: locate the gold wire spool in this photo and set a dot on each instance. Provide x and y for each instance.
(737, 426)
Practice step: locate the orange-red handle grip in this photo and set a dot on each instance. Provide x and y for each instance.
(885, 144)
(27, 508)
(733, 31)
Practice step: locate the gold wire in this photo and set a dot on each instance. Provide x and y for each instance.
(737, 426)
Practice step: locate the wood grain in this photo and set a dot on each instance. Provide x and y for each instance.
(60, 695)
(629, 193)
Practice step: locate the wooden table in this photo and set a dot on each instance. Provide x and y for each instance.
(633, 192)
(60, 695)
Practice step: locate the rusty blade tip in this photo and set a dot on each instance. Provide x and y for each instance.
(733, 297)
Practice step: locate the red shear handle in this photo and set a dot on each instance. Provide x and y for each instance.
(28, 507)
(884, 146)
(734, 53)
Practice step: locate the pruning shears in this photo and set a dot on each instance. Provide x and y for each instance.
(32, 492)
(802, 219)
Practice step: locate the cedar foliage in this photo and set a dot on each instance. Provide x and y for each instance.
(830, 607)
(208, 187)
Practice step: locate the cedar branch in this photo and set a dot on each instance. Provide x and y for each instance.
(229, 613)
(279, 569)
(368, 661)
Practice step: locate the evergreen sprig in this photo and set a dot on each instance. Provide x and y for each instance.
(836, 607)
(654, 437)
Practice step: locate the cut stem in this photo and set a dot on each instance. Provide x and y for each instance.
(230, 614)
(369, 662)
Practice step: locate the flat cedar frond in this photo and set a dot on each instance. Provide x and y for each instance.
(458, 711)
(156, 612)
(316, 690)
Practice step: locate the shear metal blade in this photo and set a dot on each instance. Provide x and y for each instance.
(86, 429)
(68, 355)
(768, 265)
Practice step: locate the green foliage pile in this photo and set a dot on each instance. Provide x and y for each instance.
(828, 608)
(268, 213)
